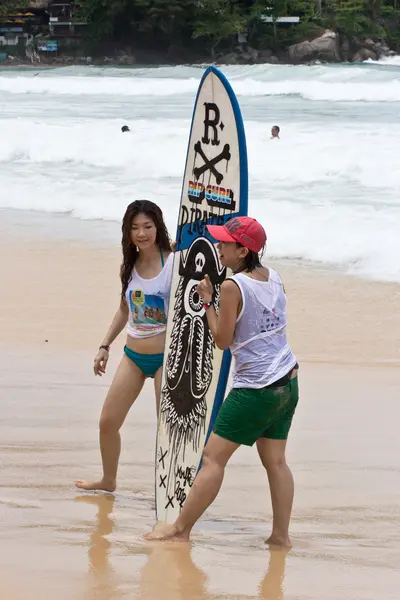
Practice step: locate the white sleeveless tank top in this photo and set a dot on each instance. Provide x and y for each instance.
(147, 300)
(260, 349)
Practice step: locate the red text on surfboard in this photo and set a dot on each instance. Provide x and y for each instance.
(215, 195)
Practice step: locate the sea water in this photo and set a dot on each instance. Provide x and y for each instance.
(328, 191)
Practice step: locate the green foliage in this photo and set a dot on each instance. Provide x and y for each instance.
(167, 17)
(355, 17)
(8, 8)
(188, 23)
(216, 20)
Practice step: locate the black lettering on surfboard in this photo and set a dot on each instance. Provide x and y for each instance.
(196, 220)
(161, 457)
(213, 164)
(209, 200)
(170, 502)
(162, 481)
(211, 120)
(180, 494)
(184, 477)
(185, 474)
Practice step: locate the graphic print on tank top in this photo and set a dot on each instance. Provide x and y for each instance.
(269, 320)
(147, 309)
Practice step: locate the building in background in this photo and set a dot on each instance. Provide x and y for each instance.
(64, 20)
(16, 24)
(41, 28)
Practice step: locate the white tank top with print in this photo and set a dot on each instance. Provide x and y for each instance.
(260, 349)
(148, 300)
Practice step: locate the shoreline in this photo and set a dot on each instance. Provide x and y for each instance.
(69, 61)
(333, 317)
(34, 225)
(324, 52)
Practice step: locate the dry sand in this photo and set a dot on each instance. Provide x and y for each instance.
(57, 543)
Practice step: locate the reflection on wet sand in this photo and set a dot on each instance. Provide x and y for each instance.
(57, 546)
(169, 573)
(102, 583)
(271, 587)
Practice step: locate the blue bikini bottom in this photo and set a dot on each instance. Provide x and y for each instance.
(147, 363)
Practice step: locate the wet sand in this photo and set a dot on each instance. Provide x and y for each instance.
(59, 543)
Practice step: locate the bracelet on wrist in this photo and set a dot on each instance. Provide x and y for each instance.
(207, 305)
(104, 347)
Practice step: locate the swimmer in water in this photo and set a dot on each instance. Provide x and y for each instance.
(275, 133)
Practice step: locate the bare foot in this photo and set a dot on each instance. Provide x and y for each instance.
(280, 542)
(105, 486)
(162, 532)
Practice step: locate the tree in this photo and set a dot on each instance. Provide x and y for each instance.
(11, 6)
(188, 23)
(218, 20)
(373, 8)
(170, 19)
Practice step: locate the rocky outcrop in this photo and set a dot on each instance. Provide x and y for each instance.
(325, 48)
(38, 3)
(335, 47)
(329, 47)
(364, 54)
(246, 55)
(126, 59)
(369, 49)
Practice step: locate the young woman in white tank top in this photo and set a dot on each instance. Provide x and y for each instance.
(260, 406)
(146, 274)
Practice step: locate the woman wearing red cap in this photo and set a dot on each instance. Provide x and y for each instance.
(261, 404)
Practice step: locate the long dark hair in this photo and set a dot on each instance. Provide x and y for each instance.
(129, 250)
(250, 262)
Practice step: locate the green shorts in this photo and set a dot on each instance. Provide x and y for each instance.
(249, 414)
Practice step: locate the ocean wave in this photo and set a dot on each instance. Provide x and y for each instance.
(307, 154)
(328, 191)
(320, 83)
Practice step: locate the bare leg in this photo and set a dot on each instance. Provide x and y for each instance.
(272, 455)
(125, 388)
(157, 388)
(203, 492)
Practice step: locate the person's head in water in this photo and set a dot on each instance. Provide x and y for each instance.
(143, 228)
(275, 132)
(125, 128)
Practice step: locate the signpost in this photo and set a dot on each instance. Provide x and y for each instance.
(48, 46)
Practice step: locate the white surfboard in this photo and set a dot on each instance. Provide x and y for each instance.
(195, 372)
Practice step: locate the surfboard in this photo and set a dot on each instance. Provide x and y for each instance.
(195, 371)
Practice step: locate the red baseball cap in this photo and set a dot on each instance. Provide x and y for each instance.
(246, 231)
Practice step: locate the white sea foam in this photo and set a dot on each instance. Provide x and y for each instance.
(347, 83)
(328, 191)
(345, 89)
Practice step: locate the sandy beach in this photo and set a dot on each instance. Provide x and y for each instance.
(58, 297)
